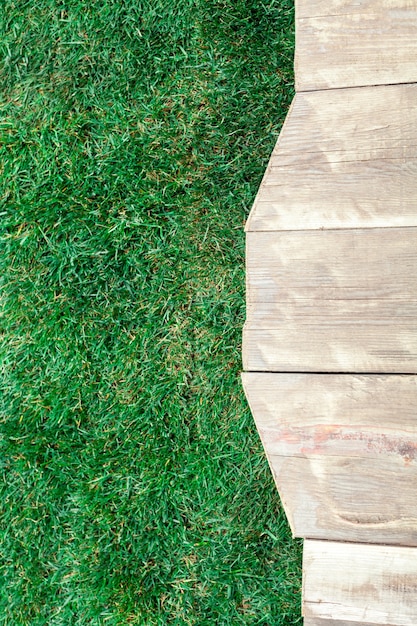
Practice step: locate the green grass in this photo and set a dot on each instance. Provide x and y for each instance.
(133, 138)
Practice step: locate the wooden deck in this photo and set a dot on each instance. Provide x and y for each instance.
(330, 340)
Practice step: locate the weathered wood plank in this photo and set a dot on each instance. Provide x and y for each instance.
(342, 194)
(311, 621)
(309, 415)
(332, 265)
(335, 301)
(363, 583)
(345, 498)
(347, 7)
(348, 44)
(339, 446)
(310, 348)
(340, 157)
(358, 123)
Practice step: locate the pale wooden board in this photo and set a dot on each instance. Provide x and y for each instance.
(363, 583)
(306, 8)
(351, 124)
(338, 447)
(331, 301)
(324, 194)
(320, 349)
(310, 415)
(344, 159)
(346, 498)
(348, 44)
(311, 621)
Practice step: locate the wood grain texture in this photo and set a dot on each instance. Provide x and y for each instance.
(311, 621)
(331, 301)
(344, 498)
(315, 349)
(363, 583)
(338, 447)
(348, 44)
(331, 266)
(356, 123)
(344, 159)
(319, 8)
(313, 415)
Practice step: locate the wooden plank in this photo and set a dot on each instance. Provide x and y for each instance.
(331, 301)
(341, 194)
(332, 265)
(352, 124)
(311, 621)
(338, 447)
(346, 7)
(310, 415)
(344, 498)
(347, 44)
(315, 349)
(308, 621)
(363, 583)
(344, 159)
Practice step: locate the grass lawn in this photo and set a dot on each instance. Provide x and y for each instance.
(133, 138)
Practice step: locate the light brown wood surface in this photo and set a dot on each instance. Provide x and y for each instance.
(337, 445)
(341, 43)
(311, 621)
(330, 340)
(331, 301)
(313, 415)
(344, 498)
(306, 8)
(323, 349)
(344, 159)
(359, 582)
